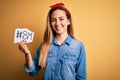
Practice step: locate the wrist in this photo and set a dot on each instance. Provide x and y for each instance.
(27, 53)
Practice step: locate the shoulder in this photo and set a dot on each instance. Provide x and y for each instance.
(76, 43)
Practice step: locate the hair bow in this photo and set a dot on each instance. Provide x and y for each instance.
(56, 5)
(60, 5)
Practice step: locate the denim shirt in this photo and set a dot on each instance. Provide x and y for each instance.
(64, 62)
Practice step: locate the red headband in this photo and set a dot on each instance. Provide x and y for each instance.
(60, 5)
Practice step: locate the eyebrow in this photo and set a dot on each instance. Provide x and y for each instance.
(59, 17)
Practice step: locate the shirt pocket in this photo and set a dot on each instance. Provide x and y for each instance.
(68, 60)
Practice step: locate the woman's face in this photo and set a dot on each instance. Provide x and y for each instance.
(59, 22)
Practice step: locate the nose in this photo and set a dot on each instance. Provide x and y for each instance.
(57, 22)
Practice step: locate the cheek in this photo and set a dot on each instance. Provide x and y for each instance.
(53, 26)
(52, 23)
(65, 22)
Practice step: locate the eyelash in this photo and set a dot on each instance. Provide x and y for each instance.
(52, 20)
(55, 20)
(61, 19)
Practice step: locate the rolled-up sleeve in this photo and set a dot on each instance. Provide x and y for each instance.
(28, 70)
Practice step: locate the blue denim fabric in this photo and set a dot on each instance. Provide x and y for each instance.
(64, 62)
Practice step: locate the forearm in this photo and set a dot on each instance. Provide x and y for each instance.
(29, 61)
(31, 65)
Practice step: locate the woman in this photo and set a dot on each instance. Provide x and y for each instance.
(62, 56)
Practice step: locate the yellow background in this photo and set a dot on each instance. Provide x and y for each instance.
(96, 24)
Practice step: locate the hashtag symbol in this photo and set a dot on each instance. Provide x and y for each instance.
(19, 34)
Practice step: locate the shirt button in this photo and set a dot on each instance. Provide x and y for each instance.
(65, 56)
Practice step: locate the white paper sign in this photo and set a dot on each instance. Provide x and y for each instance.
(23, 34)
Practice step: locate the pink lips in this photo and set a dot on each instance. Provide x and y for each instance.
(58, 28)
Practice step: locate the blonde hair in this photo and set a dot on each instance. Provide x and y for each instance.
(49, 34)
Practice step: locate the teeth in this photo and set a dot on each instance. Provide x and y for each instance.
(58, 28)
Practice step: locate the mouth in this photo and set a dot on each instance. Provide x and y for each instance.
(58, 28)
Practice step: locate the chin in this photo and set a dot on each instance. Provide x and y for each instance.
(58, 32)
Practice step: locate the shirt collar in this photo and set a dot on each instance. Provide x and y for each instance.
(67, 41)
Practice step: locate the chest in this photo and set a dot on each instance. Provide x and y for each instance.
(63, 54)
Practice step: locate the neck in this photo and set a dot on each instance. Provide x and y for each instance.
(61, 38)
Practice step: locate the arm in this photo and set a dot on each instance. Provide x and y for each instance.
(81, 65)
(24, 49)
(31, 65)
(35, 68)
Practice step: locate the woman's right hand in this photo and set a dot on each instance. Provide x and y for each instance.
(23, 47)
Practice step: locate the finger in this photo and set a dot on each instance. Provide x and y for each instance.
(22, 43)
